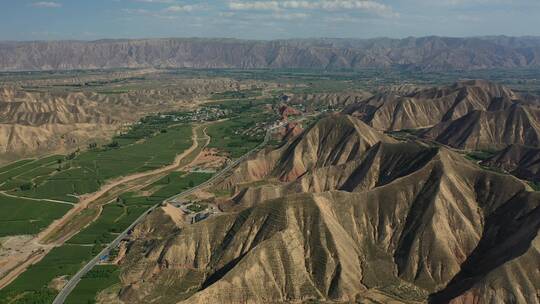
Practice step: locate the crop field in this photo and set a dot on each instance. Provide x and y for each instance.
(236, 136)
(237, 94)
(23, 216)
(177, 182)
(62, 179)
(116, 217)
(25, 171)
(97, 279)
(15, 165)
(69, 258)
(32, 285)
(150, 144)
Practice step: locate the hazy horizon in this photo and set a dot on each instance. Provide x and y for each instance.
(265, 19)
(281, 39)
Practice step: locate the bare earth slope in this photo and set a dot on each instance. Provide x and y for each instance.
(521, 161)
(426, 53)
(473, 115)
(481, 130)
(373, 221)
(391, 111)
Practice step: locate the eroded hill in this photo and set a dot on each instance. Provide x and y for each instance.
(471, 115)
(344, 213)
(521, 161)
(49, 119)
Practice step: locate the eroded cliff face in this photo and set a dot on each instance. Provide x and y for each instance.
(347, 214)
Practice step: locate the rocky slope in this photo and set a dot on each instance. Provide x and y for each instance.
(473, 115)
(521, 161)
(392, 111)
(311, 101)
(37, 123)
(343, 213)
(483, 130)
(426, 53)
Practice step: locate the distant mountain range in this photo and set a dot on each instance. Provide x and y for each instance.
(426, 53)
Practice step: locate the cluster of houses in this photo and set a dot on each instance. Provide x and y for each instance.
(199, 115)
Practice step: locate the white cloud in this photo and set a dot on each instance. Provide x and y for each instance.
(227, 14)
(254, 5)
(135, 11)
(166, 13)
(324, 5)
(469, 18)
(290, 16)
(181, 8)
(46, 4)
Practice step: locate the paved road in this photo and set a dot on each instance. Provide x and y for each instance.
(64, 293)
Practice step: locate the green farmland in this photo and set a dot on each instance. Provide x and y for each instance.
(24, 216)
(116, 217)
(241, 133)
(28, 171)
(33, 285)
(175, 183)
(63, 178)
(97, 279)
(237, 94)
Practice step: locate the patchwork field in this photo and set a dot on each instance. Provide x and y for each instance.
(34, 285)
(64, 178)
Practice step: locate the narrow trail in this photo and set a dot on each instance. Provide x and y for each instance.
(36, 249)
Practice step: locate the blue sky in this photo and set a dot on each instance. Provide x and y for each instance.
(265, 19)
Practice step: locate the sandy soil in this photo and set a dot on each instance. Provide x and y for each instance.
(210, 160)
(174, 213)
(58, 283)
(203, 195)
(17, 254)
